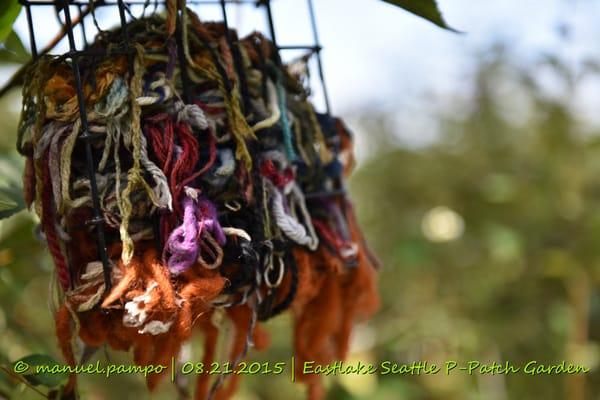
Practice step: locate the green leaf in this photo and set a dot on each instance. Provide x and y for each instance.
(9, 11)
(426, 9)
(13, 50)
(11, 201)
(48, 379)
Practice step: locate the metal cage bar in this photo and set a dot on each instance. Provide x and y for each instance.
(237, 58)
(108, 3)
(317, 49)
(97, 221)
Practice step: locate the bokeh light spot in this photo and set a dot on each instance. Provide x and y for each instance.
(442, 224)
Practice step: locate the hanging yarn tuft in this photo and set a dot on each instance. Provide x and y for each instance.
(220, 194)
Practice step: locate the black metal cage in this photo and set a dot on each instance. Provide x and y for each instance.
(71, 13)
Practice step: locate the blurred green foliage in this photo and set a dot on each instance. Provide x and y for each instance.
(488, 237)
(521, 281)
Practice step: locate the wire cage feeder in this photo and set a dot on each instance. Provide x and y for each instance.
(84, 10)
(304, 250)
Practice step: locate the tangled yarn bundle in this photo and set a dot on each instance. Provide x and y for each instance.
(225, 204)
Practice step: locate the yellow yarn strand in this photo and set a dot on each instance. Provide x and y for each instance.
(134, 175)
(237, 122)
(324, 152)
(65, 167)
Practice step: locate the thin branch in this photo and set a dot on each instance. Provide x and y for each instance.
(23, 380)
(17, 78)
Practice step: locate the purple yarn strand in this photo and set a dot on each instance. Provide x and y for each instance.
(182, 248)
(211, 223)
(182, 244)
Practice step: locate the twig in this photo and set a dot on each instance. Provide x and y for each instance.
(23, 380)
(17, 78)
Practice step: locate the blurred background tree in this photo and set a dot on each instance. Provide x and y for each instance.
(488, 237)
